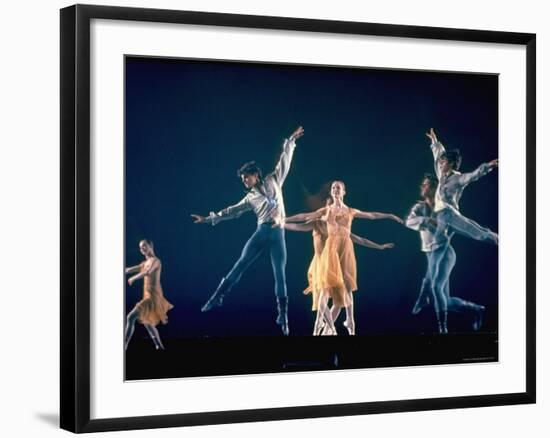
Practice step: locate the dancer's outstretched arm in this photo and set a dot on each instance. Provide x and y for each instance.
(298, 227)
(307, 217)
(300, 217)
(369, 243)
(416, 219)
(154, 266)
(283, 165)
(132, 269)
(375, 215)
(231, 212)
(482, 170)
(437, 150)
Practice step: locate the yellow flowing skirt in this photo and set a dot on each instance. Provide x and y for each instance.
(152, 309)
(337, 269)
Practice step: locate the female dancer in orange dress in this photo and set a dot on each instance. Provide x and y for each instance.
(336, 273)
(153, 307)
(320, 235)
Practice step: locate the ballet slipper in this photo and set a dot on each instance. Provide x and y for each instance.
(350, 327)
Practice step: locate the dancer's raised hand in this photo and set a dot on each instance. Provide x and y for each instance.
(299, 132)
(431, 135)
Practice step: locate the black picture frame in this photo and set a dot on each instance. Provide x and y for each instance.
(75, 217)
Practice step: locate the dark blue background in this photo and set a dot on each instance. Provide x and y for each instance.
(191, 124)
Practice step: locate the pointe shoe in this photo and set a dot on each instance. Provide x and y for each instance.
(158, 344)
(321, 328)
(318, 331)
(349, 327)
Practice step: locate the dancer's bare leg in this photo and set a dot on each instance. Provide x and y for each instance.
(322, 315)
(335, 313)
(154, 333)
(131, 319)
(327, 331)
(349, 323)
(319, 319)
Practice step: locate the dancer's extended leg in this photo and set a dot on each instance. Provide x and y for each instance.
(252, 249)
(424, 296)
(335, 312)
(154, 333)
(349, 323)
(326, 331)
(457, 304)
(323, 315)
(465, 226)
(278, 264)
(443, 262)
(131, 319)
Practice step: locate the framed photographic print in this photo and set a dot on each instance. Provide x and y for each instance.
(254, 208)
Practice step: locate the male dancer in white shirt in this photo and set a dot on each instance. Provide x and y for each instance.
(441, 259)
(265, 198)
(449, 191)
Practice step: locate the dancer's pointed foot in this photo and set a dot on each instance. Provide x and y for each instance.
(319, 327)
(216, 300)
(422, 301)
(442, 323)
(493, 238)
(284, 326)
(478, 318)
(442, 328)
(327, 331)
(282, 317)
(350, 326)
(158, 343)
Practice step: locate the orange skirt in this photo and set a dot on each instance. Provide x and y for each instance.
(152, 309)
(313, 287)
(337, 270)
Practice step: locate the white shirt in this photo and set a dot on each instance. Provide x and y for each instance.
(419, 219)
(450, 187)
(266, 199)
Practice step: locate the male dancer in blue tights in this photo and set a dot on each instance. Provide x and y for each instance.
(265, 198)
(441, 259)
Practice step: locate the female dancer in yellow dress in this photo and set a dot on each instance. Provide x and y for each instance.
(152, 309)
(320, 235)
(335, 275)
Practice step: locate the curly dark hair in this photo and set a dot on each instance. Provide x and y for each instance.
(249, 168)
(432, 179)
(454, 158)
